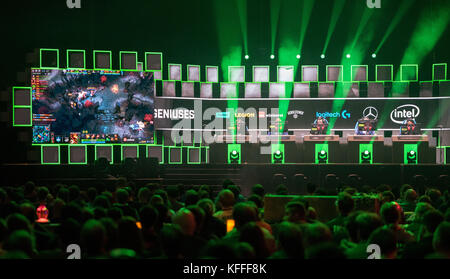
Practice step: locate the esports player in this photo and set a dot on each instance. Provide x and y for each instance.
(320, 125)
(365, 126)
(409, 127)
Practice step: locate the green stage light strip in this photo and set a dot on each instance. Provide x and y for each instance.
(275, 6)
(428, 31)
(306, 15)
(242, 10)
(404, 7)
(338, 6)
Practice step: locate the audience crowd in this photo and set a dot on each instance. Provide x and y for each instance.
(175, 222)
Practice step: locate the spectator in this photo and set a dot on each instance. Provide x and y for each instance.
(226, 202)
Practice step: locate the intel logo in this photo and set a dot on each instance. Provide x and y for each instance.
(403, 112)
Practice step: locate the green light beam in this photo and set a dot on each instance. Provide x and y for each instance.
(275, 6)
(306, 14)
(242, 10)
(338, 6)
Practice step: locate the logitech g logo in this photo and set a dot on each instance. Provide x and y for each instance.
(403, 112)
(371, 113)
(345, 114)
(73, 4)
(374, 4)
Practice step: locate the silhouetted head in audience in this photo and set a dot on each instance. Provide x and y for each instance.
(257, 200)
(295, 212)
(74, 193)
(114, 213)
(220, 249)
(208, 207)
(281, 190)
(130, 237)
(383, 187)
(199, 215)
(185, 219)
(16, 222)
(149, 216)
(42, 194)
(421, 209)
(163, 195)
(253, 235)
(102, 201)
(317, 233)
(425, 199)
(227, 182)
(156, 199)
(290, 240)
(441, 239)
(387, 196)
(226, 199)
(435, 196)
(28, 210)
(386, 239)
(236, 191)
(352, 226)
(29, 188)
(173, 192)
(431, 220)
(171, 238)
(410, 195)
(63, 193)
(122, 196)
(258, 189)
(91, 194)
(345, 203)
(403, 189)
(324, 251)
(93, 239)
(390, 213)
(191, 197)
(21, 241)
(366, 223)
(243, 213)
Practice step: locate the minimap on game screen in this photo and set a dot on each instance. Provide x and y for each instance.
(90, 106)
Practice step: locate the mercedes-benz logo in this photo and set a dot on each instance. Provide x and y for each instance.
(371, 113)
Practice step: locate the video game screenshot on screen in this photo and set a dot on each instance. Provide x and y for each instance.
(92, 106)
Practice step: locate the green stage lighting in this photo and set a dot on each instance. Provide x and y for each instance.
(298, 56)
(272, 56)
(278, 157)
(322, 56)
(246, 57)
(412, 157)
(366, 156)
(348, 56)
(374, 55)
(323, 157)
(234, 157)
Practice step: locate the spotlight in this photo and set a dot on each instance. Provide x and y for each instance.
(323, 157)
(272, 56)
(412, 157)
(374, 55)
(322, 56)
(366, 157)
(278, 157)
(234, 157)
(348, 55)
(298, 56)
(246, 57)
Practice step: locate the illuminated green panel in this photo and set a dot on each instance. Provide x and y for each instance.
(392, 73)
(42, 154)
(230, 69)
(341, 72)
(310, 66)
(238, 156)
(287, 67)
(150, 52)
(268, 73)
(110, 59)
(29, 107)
(365, 158)
(170, 76)
(275, 157)
(409, 72)
(155, 145)
(120, 60)
(49, 50)
(207, 78)
(85, 154)
(354, 70)
(445, 71)
(68, 60)
(199, 155)
(318, 148)
(199, 72)
(406, 153)
(129, 145)
(112, 152)
(181, 155)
